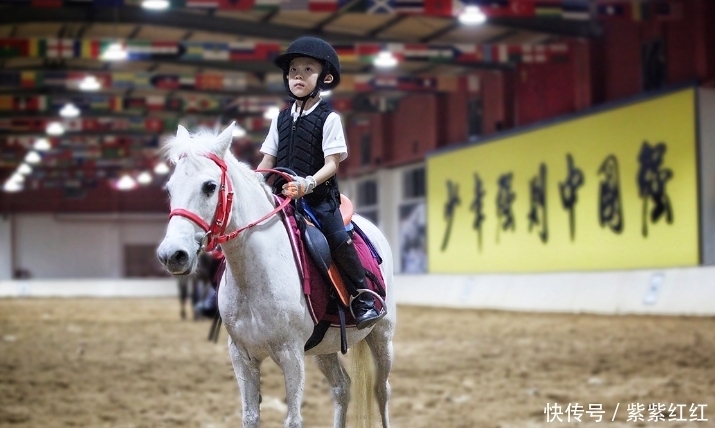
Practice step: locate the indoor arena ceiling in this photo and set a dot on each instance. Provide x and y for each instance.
(209, 61)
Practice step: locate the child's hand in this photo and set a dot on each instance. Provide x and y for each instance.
(299, 187)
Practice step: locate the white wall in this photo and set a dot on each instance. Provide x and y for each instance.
(706, 99)
(5, 246)
(81, 245)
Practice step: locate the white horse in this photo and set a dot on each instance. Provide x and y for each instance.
(260, 297)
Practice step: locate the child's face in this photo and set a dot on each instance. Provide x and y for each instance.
(303, 75)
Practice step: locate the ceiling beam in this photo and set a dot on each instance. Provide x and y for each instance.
(170, 18)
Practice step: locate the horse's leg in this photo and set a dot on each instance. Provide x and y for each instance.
(248, 376)
(292, 362)
(380, 342)
(329, 365)
(183, 294)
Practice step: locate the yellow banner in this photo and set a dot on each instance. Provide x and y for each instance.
(612, 190)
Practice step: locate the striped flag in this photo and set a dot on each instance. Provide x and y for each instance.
(60, 48)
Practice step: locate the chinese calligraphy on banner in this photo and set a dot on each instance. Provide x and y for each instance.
(615, 189)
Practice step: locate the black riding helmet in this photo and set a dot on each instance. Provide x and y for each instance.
(317, 49)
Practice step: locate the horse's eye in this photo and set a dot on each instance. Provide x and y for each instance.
(209, 188)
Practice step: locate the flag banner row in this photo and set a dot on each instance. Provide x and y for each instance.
(138, 124)
(267, 51)
(580, 10)
(88, 101)
(31, 79)
(100, 103)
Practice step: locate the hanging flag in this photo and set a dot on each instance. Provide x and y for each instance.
(235, 4)
(547, 8)
(10, 48)
(60, 48)
(575, 10)
(323, 5)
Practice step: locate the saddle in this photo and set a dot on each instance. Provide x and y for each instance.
(323, 288)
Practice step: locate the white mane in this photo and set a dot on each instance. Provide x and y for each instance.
(202, 142)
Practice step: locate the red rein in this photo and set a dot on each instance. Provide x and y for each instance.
(215, 232)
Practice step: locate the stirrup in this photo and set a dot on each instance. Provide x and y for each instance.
(366, 290)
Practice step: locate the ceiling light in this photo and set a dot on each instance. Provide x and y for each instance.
(24, 169)
(472, 15)
(89, 83)
(385, 59)
(161, 169)
(238, 132)
(126, 183)
(17, 178)
(115, 52)
(11, 186)
(155, 4)
(32, 157)
(69, 110)
(55, 128)
(144, 178)
(42, 144)
(271, 113)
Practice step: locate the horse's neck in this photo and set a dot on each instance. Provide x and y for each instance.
(250, 255)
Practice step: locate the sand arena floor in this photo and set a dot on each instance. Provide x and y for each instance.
(133, 363)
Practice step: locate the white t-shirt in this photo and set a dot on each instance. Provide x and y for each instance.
(333, 134)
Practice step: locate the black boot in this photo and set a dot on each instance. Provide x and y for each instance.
(363, 304)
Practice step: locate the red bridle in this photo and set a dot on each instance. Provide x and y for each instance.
(215, 233)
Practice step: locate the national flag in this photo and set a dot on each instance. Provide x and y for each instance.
(31, 79)
(187, 81)
(266, 5)
(165, 81)
(164, 49)
(116, 103)
(409, 6)
(210, 81)
(236, 4)
(216, 52)
(294, 5)
(440, 7)
(73, 125)
(366, 52)
(548, 8)
(346, 53)
(193, 51)
(533, 53)
(380, 6)
(174, 104)
(60, 48)
(6, 103)
(89, 49)
(363, 82)
(204, 4)
(522, 8)
(322, 5)
(154, 124)
(135, 103)
(10, 48)
(155, 102)
(236, 82)
(575, 10)
(123, 80)
(37, 48)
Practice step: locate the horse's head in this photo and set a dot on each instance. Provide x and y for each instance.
(198, 200)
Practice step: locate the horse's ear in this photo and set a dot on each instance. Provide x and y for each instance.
(182, 132)
(225, 139)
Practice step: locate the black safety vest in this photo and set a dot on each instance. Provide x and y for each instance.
(300, 145)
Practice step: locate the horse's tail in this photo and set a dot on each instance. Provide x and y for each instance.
(362, 369)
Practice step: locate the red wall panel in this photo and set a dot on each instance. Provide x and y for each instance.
(414, 129)
(622, 59)
(543, 91)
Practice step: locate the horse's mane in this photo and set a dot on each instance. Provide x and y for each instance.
(203, 142)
